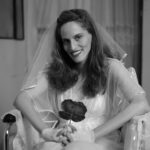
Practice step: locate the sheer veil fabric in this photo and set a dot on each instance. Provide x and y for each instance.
(42, 56)
(47, 44)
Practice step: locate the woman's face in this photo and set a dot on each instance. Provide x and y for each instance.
(76, 41)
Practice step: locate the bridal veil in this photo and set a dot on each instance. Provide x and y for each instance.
(46, 45)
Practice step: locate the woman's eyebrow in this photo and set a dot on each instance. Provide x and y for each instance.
(78, 35)
(74, 36)
(65, 40)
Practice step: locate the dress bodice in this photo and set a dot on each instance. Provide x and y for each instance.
(96, 110)
(95, 115)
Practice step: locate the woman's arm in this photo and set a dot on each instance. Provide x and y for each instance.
(140, 106)
(24, 103)
(138, 103)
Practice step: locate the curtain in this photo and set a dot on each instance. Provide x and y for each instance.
(119, 17)
(122, 20)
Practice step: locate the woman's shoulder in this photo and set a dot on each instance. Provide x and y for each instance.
(116, 67)
(114, 63)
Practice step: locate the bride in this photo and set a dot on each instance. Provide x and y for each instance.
(78, 76)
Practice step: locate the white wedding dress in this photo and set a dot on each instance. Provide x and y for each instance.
(99, 109)
(96, 115)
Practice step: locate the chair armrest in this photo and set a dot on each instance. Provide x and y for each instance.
(9, 118)
(137, 136)
(10, 131)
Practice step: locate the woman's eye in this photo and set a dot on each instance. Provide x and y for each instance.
(78, 37)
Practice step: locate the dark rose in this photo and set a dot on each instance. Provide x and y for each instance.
(72, 110)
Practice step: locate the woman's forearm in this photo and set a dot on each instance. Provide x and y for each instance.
(137, 107)
(24, 104)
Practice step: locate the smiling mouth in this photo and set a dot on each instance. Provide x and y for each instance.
(76, 53)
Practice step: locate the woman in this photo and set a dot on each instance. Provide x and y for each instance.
(83, 72)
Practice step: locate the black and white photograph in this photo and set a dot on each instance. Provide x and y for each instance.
(74, 75)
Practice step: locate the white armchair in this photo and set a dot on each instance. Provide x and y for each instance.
(19, 132)
(137, 134)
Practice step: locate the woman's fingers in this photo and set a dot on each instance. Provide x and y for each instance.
(64, 140)
(69, 137)
(65, 133)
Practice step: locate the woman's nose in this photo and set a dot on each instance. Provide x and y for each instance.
(73, 45)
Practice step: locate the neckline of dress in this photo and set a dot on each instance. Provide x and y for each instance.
(84, 97)
(80, 99)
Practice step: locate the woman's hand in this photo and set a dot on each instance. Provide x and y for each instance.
(59, 135)
(66, 132)
(55, 135)
(65, 136)
(50, 134)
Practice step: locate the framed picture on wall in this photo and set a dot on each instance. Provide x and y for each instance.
(11, 18)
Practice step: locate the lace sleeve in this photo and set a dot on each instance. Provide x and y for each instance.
(38, 92)
(39, 79)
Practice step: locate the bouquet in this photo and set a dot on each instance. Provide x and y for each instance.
(72, 110)
(75, 111)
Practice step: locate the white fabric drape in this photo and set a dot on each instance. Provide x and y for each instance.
(119, 17)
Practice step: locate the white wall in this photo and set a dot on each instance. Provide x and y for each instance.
(146, 48)
(11, 73)
(12, 68)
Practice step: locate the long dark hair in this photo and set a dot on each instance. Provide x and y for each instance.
(63, 73)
